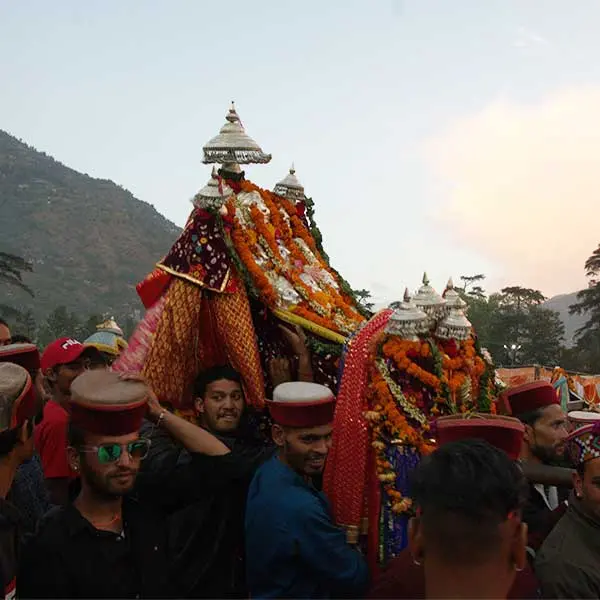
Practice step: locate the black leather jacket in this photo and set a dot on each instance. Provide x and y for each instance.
(205, 498)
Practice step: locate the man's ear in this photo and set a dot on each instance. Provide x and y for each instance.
(518, 550)
(577, 484)
(74, 459)
(50, 374)
(415, 540)
(528, 436)
(199, 405)
(24, 432)
(278, 435)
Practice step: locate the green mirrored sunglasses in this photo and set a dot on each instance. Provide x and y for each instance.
(109, 453)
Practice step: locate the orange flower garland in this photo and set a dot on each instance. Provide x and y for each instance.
(396, 349)
(318, 305)
(388, 423)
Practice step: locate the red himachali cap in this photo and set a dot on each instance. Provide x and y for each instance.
(103, 403)
(529, 397)
(504, 433)
(62, 352)
(17, 396)
(26, 355)
(302, 404)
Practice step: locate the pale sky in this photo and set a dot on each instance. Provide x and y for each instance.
(452, 136)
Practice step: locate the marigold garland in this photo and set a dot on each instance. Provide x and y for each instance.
(388, 424)
(326, 307)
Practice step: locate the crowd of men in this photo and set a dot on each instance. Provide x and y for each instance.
(104, 493)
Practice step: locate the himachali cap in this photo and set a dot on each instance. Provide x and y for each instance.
(103, 403)
(26, 355)
(63, 351)
(302, 404)
(504, 433)
(579, 418)
(584, 443)
(17, 396)
(529, 397)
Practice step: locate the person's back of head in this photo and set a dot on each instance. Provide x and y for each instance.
(468, 531)
(17, 412)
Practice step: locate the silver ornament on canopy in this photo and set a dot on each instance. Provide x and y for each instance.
(289, 187)
(430, 302)
(407, 321)
(233, 145)
(212, 195)
(453, 298)
(454, 326)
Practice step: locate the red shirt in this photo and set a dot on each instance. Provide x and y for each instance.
(51, 442)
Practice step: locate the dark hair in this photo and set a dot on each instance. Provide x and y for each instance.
(8, 440)
(532, 417)
(3, 322)
(205, 378)
(75, 436)
(465, 490)
(20, 339)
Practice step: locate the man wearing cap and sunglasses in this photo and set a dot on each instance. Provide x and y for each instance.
(104, 544)
(62, 361)
(17, 410)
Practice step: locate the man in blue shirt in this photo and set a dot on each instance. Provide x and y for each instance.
(293, 549)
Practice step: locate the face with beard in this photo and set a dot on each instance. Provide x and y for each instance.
(587, 486)
(222, 406)
(545, 438)
(304, 449)
(109, 464)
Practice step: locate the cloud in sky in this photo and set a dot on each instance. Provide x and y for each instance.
(520, 185)
(527, 38)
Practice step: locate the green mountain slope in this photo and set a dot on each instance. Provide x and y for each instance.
(90, 241)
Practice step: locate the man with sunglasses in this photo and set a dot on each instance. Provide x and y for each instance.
(17, 407)
(62, 361)
(104, 544)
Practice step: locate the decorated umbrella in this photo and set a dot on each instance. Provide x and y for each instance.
(245, 263)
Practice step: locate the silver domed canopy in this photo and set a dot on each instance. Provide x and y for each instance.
(289, 187)
(452, 297)
(233, 144)
(407, 321)
(212, 195)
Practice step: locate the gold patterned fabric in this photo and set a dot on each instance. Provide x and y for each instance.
(173, 361)
(235, 330)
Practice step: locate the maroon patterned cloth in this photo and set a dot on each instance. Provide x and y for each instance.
(200, 255)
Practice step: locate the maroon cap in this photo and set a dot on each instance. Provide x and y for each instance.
(63, 351)
(103, 403)
(26, 355)
(529, 397)
(302, 404)
(17, 396)
(504, 433)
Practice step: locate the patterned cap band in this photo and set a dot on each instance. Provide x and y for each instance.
(584, 443)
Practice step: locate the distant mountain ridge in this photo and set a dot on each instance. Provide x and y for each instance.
(572, 323)
(90, 240)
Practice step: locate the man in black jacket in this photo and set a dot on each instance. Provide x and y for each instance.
(205, 495)
(106, 544)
